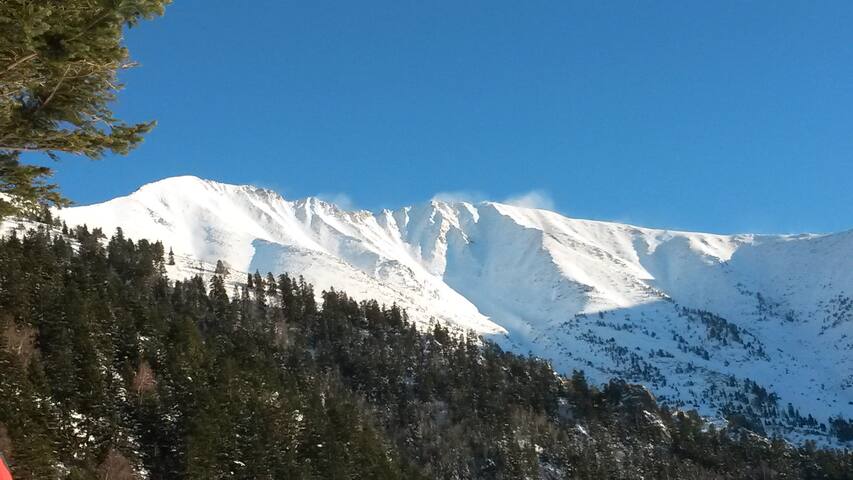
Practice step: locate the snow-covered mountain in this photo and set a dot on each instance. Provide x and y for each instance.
(696, 317)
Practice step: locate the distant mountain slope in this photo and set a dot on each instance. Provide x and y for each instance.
(696, 317)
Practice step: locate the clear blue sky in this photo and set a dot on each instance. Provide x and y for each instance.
(716, 116)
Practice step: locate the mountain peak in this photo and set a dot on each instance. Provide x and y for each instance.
(176, 182)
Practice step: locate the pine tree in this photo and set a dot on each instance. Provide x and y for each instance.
(171, 256)
(58, 79)
(272, 285)
(24, 188)
(221, 269)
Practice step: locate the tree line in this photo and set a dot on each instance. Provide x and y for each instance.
(111, 370)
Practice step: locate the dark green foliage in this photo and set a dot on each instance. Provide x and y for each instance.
(58, 77)
(842, 428)
(109, 368)
(24, 189)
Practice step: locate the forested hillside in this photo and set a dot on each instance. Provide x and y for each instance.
(110, 370)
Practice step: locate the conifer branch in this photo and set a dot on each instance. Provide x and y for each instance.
(90, 26)
(19, 61)
(55, 89)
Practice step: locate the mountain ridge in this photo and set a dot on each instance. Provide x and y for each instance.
(685, 313)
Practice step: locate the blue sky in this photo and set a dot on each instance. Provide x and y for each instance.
(715, 116)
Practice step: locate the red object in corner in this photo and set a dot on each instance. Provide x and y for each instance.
(5, 474)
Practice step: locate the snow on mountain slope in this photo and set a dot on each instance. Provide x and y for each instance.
(253, 229)
(696, 317)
